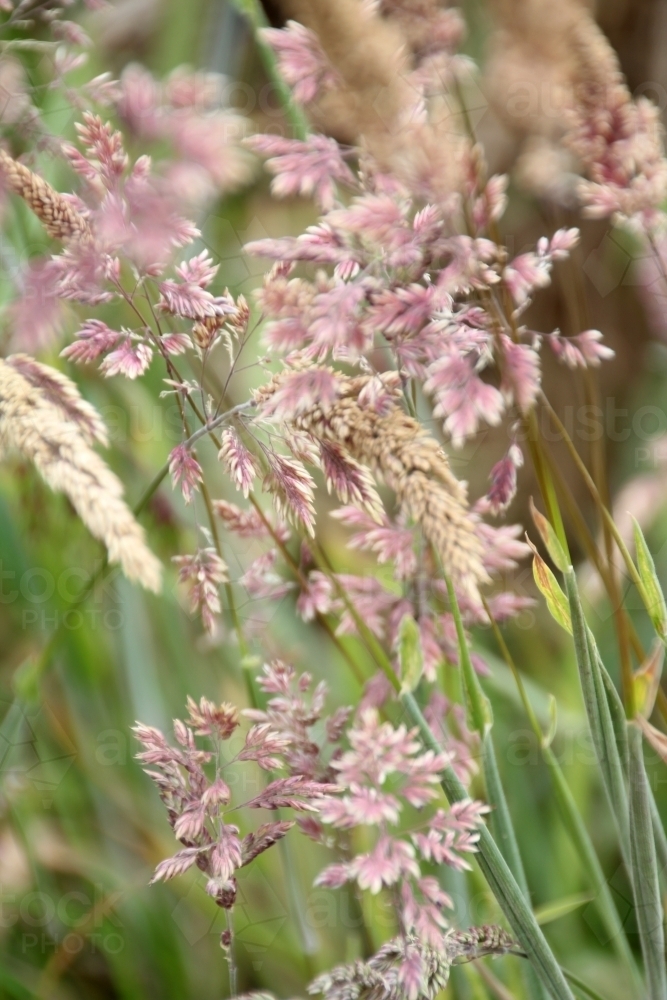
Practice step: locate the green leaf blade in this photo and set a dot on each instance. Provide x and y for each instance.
(549, 588)
(653, 596)
(644, 870)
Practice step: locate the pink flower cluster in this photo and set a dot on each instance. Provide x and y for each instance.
(196, 801)
(301, 60)
(385, 771)
(384, 774)
(403, 275)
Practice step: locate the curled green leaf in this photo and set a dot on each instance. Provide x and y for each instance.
(548, 586)
(550, 539)
(652, 595)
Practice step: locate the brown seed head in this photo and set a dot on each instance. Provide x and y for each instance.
(410, 461)
(56, 213)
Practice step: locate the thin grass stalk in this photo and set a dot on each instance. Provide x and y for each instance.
(475, 989)
(368, 638)
(495, 987)
(645, 872)
(599, 716)
(583, 988)
(292, 563)
(622, 547)
(659, 835)
(482, 723)
(499, 877)
(543, 472)
(576, 828)
(297, 120)
(598, 467)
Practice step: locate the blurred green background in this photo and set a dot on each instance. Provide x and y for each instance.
(81, 827)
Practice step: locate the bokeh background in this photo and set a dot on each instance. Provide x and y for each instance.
(81, 827)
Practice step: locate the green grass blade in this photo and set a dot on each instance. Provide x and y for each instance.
(574, 824)
(549, 588)
(583, 988)
(616, 709)
(505, 837)
(645, 881)
(580, 837)
(615, 748)
(659, 834)
(654, 599)
(561, 907)
(599, 715)
(501, 881)
(550, 539)
(501, 821)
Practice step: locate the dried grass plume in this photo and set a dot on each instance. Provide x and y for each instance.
(44, 418)
(399, 451)
(55, 211)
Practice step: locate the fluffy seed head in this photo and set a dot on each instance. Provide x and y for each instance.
(43, 417)
(396, 448)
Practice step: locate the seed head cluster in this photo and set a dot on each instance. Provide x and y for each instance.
(398, 449)
(55, 211)
(43, 417)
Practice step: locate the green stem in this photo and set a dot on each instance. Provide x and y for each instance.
(293, 113)
(575, 826)
(499, 877)
(478, 703)
(599, 716)
(644, 869)
(482, 721)
(586, 991)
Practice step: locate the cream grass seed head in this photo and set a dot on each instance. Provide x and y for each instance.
(55, 211)
(43, 417)
(398, 450)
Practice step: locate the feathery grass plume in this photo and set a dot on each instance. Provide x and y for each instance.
(619, 140)
(366, 60)
(375, 431)
(55, 211)
(385, 87)
(43, 417)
